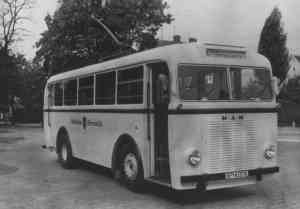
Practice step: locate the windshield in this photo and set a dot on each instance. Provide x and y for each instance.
(250, 84)
(203, 83)
(207, 83)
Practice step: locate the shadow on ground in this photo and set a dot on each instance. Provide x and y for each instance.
(189, 197)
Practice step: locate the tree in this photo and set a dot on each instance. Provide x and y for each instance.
(291, 90)
(272, 44)
(74, 39)
(11, 17)
(25, 80)
(32, 81)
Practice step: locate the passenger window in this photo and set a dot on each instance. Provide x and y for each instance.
(130, 86)
(70, 92)
(58, 94)
(105, 88)
(86, 91)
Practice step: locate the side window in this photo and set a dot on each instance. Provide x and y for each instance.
(86, 91)
(70, 92)
(50, 95)
(161, 82)
(105, 88)
(130, 86)
(58, 94)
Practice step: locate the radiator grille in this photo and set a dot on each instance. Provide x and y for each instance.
(232, 146)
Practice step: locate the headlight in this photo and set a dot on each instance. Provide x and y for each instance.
(194, 158)
(270, 152)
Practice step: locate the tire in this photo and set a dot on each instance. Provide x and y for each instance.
(64, 153)
(130, 169)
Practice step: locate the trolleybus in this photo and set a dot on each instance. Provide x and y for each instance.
(188, 116)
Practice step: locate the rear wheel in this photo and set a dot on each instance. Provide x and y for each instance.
(64, 153)
(130, 169)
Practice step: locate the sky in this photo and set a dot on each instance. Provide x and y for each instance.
(236, 22)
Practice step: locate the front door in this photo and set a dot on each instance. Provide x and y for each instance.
(160, 103)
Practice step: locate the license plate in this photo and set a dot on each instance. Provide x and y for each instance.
(236, 174)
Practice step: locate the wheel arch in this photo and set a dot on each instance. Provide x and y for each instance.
(121, 142)
(62, 130)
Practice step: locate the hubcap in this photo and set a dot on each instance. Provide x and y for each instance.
(64, 153)
(130, 166)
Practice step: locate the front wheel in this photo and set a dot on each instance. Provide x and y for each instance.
(64, 153)
(131, 169)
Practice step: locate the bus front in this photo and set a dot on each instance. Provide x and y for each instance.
(223, 128)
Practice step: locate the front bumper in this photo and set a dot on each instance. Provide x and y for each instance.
(202, 180)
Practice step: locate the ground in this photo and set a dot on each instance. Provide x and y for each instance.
(31, 178)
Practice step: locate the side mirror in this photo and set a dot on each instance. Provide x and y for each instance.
(275, 86)
(162, 89)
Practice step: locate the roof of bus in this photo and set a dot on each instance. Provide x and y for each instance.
(175, 54)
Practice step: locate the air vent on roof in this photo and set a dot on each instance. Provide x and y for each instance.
(224, 45)
(226, 53)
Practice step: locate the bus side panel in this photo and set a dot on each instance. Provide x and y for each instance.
(104, 129)
(60, 120)
(72, 121)
(96, 142)
(47, 131)
(46, 121)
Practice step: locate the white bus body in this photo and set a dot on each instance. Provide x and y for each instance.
(191, 141)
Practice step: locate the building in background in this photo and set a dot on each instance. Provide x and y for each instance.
(294, 70)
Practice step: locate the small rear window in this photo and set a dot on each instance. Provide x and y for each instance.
(58, 94)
